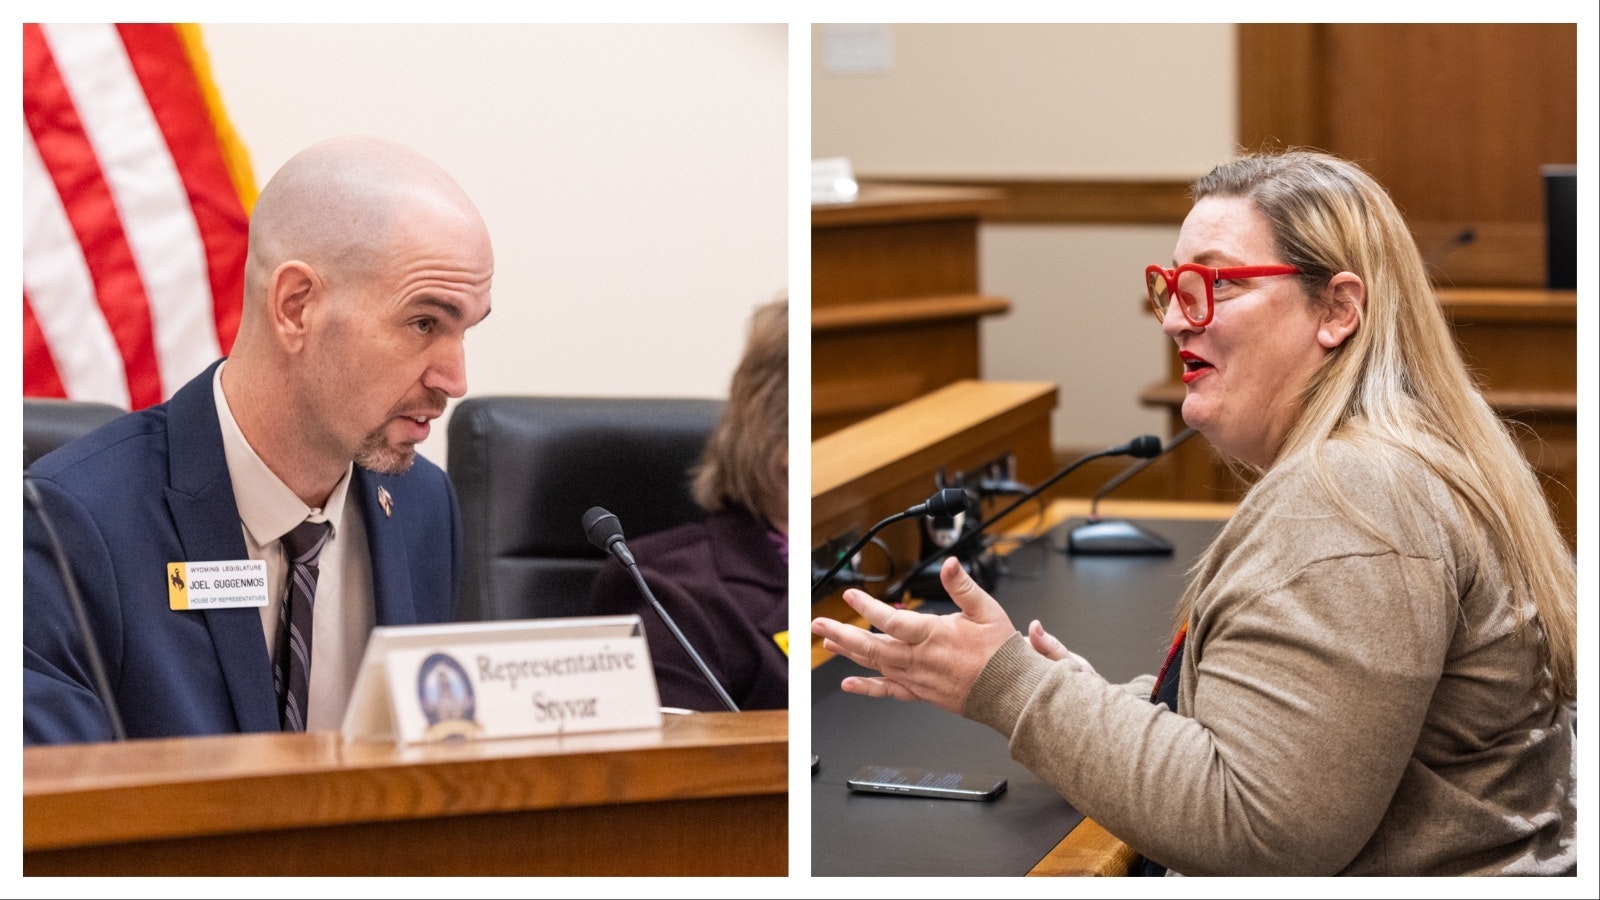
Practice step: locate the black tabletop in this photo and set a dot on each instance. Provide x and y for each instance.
(1116, 611)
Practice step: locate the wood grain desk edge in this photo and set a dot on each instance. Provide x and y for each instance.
(78, 795)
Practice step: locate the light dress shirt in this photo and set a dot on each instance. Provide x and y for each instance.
(344, 613)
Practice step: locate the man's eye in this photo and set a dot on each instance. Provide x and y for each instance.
(424, 326)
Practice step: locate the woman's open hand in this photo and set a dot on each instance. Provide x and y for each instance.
(933, 658)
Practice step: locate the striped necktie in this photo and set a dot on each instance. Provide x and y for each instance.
(291, 674)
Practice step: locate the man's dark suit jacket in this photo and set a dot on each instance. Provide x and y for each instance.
(726, 586)
(151, 488)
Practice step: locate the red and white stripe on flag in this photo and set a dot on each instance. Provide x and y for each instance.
(136, 199)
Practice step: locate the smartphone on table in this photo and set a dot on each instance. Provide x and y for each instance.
(916, 782)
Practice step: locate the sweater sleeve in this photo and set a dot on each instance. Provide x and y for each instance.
(1308, 697)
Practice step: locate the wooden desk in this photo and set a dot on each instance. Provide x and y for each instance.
(706, 794)
(1521, 344)
(878, 467)
(894, 298)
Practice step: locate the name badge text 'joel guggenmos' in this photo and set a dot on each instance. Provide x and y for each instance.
(219, 584)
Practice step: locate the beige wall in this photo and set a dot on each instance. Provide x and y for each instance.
(1079, 101)
(634, 178)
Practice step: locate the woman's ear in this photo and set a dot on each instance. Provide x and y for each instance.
(1347, 298)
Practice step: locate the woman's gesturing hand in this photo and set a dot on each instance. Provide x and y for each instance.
(933, 658)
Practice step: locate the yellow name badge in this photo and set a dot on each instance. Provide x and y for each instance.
(223, 584)
(782, 640)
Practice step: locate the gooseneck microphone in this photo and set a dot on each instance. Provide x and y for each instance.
(946, 502)
(1143, 446)
(97, 666)
(1117, 536)
(605, 532)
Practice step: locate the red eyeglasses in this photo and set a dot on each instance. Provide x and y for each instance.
(1194, 284)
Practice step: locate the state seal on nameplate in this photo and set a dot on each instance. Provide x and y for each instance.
(445, 693)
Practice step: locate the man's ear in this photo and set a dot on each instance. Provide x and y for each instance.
(292, 294)
(1342, 314)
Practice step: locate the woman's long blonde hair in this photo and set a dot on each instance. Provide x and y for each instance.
(1400, 380)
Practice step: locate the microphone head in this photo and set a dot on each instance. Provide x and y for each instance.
(601, 527)
(1145, 446)
(946, 503)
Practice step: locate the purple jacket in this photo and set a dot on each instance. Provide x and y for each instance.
(726, 586)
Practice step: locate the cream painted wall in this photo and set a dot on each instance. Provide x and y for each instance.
(633, 177)
(1078, 101)
(1048, 101)
(1078, 319)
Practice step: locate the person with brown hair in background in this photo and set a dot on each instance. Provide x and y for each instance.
(724, 580)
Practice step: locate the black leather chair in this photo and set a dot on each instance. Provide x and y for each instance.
(49, 423)
(526, 469)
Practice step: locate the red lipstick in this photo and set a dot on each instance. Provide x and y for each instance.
(1193, 366)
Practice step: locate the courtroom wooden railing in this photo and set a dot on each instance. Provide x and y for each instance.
(895, 305)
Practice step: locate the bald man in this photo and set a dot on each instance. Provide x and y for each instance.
(367, 264)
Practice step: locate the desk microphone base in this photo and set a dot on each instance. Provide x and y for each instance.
(1116, 538)
(984, 569)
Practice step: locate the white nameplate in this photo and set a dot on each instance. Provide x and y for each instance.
(482, 680)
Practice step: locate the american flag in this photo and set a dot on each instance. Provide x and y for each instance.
(136, 200)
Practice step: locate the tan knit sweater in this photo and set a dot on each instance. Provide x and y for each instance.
(1344, 707)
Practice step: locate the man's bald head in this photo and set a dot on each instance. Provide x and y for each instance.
(367, 266)
(335, 206)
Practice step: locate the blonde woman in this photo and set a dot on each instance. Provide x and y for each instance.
(1373, 662)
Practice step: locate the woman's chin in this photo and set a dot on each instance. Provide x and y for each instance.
(1197, 414)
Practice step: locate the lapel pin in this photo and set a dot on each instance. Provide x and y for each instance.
(385, 501)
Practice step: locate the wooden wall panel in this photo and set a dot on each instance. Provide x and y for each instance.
(894, 298)
(1454, 119)
(857, 263)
